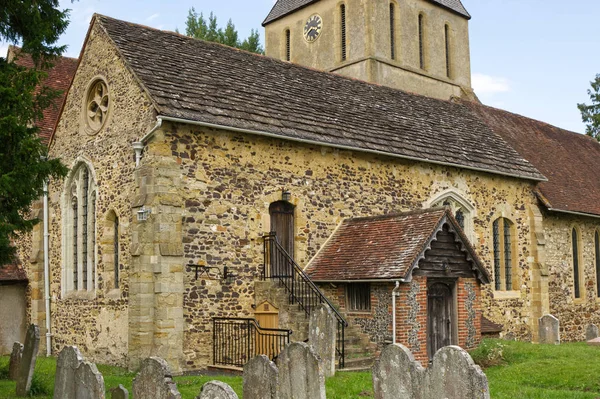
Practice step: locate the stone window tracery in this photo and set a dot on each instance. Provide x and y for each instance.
(460, 210)
(502, 237)
(79, 226)
(97, 104)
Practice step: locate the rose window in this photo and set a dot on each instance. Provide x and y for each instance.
(97, 105)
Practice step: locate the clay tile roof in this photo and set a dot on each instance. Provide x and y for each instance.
(489, 327)
(383, 247)
(285, 7)
(12, 273)
(59, 78)
(214, 84)
(568, 160)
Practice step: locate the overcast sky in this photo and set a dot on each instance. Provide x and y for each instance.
(532, 57)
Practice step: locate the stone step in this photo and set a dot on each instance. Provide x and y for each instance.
(363, 363)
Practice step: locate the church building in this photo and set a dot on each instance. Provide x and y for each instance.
(216, 197)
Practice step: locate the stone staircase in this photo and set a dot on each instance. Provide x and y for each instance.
(360, 351)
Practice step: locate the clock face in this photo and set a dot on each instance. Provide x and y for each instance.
(313, 27)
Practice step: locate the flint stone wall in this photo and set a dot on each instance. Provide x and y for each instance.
(452, 375)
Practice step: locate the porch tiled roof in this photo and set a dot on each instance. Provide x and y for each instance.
(12, 273)
(210, 83)
(381, 248)
(59, 78)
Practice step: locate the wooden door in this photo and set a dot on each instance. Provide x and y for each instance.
(267, 316)
(282, 224)
(440, 317)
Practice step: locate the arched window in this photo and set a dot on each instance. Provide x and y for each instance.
(421, 42)
(288, 45)
(461, 210)
(343, 31)
(111, 251)
(577, 275)
(79, 226)
(282, 224)
(447, 41)
(597, 251)
(392, 31)
(503, 254)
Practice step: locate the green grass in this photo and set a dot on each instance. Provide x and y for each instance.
(514, 369)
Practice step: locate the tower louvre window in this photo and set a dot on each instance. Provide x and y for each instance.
(343, 31)
(288, 53)
(447, 38)
(421, 43)
(392, 32)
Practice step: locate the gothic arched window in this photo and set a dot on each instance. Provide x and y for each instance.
(577, 272)
(392, 31)
(421, 42)
(447, 40)
(503, 240)
(343, 52)
(461, 210)
(79, 227)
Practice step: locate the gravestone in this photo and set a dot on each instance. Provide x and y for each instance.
(396, 374)
(454, 375)
(216, 390)
(89, 383)
(154, 381)
(261, 377)
(322, 334)
(300, 373)
(67, 364)
(119, 393)
(591, 332)
(549, 330)
(30, 351)
(594, 342)
(15, 361)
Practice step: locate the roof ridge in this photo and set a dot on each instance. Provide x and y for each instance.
(396, 214)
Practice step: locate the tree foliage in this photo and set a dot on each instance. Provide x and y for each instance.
(198, 27)
(590, 114)
(24, 166)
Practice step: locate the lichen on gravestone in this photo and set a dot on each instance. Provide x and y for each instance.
(119, 392)
(217, 390)
(549, 331)
(154, 381)
(30, 351)
(261, 378)
(322, 335)
(300, 373)
(89, 383)
(15, 361)
(67, 364)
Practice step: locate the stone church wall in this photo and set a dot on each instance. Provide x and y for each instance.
(97, 322)
(574, 313)
(229, 180)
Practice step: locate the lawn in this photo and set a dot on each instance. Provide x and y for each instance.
(514, 370)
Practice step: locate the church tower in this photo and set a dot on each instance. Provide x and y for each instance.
(419, 46)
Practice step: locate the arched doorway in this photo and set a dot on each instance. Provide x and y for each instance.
(282, 224)
(440, 316)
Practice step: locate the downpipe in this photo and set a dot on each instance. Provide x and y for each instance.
(395, 294)
(47, 273)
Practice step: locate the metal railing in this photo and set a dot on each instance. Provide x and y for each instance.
(237, 340)
(279, 265)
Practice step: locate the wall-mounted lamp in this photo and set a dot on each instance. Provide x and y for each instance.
(142, 214)
(286, 195)
(213, 273)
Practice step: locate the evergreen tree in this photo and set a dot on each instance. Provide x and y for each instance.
(36, 25)
(590, 114)
(196, 26)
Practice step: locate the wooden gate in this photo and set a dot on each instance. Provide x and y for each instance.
(267, 316)
(440, 317)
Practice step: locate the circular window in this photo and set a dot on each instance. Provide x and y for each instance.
(97, 105)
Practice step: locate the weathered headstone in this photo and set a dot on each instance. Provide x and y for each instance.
(396, 374)
(15, 361)
(154, 381)
(300, 373)
(30, 351)
(322, 334)
(216, 390)
(89, 383)
(67, 364)
(454, 375)
(594, 342)
(119, 393)
(591, 332)
(261, 377)
(549, 330)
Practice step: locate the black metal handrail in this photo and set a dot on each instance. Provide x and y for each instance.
(237, 340)
(279, 265)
